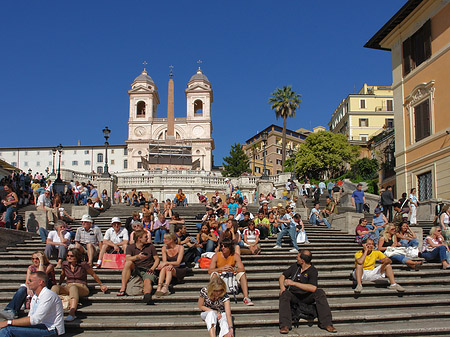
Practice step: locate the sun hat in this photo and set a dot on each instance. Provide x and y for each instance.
(86, 218)
(115, 219)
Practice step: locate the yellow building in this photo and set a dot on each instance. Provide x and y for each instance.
(363, 115)
(254, 148)
(418, 36)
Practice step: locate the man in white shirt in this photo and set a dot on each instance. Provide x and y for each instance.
(46, 315)
(44, 203)
(115, 240)
(57, 242)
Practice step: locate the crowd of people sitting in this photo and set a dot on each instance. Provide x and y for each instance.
(226, 231)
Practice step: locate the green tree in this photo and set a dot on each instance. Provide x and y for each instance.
(325, 155)
(285, 102)
(236, 163)
(365, 168)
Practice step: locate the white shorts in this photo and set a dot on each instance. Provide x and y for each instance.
(371, 274)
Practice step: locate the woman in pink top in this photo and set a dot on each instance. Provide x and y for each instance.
(160, 227)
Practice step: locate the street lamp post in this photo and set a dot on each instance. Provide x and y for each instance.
(53, 163)
(106, 133)
(264, 136)
(58, 179)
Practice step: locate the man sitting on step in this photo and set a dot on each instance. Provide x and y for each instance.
(88, 238)
(115, 240)
(226, 260)
(141, 260)
(365, 267)
(298, 286)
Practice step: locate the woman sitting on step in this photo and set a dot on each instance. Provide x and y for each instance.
(75, 270)
(215, 305)
(389, 239)
(39, 263)
(406, 236)
(434, 247)
(171, 266)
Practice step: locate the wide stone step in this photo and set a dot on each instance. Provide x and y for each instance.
(159, 322)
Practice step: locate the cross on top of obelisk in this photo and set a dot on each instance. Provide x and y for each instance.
(171, 71)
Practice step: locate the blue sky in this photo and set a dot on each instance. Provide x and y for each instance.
(66, 66)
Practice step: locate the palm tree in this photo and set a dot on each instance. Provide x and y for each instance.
(285, 101)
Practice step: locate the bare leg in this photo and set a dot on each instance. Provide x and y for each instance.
(90, 253)
(244, 285)
(387, 269)
(162, 277)
(126, 273)
(147, 286)
(103, 251)
(359, 273)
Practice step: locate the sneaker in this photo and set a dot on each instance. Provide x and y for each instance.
(276, 247)
(397, 287)
(248, 301)
(8, 314)
(197, 266)
(293, 250)
(307, 243)
(70, 318)
(358, 289)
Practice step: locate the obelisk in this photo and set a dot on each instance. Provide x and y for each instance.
(170, 137)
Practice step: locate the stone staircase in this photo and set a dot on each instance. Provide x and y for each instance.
(422, 310)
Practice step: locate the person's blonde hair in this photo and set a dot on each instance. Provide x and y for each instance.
(386, 231)
(171, 236)
(433, 230)
(216, 284)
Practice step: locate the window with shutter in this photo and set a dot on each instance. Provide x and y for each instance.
(422, 120)
(417, 48)
(389, 105)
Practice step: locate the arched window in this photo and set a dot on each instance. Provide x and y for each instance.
(198, 107)
(140, 109)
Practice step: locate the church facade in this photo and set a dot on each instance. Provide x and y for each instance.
(149, 137)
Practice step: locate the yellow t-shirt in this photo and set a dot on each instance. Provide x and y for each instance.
(369, 262)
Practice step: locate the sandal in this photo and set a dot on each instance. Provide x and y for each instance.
(165, 293)
(121, 293)
(159, 293)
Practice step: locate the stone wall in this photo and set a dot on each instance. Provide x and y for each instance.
(10, 237)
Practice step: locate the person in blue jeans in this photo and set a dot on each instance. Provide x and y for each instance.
(434, 247)
(378, 223)
(406, 236)
(358, 198)
(39, 263)
(205, 242)
(46, 315)
(160, 227)
(288, 226)
(315, 218)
